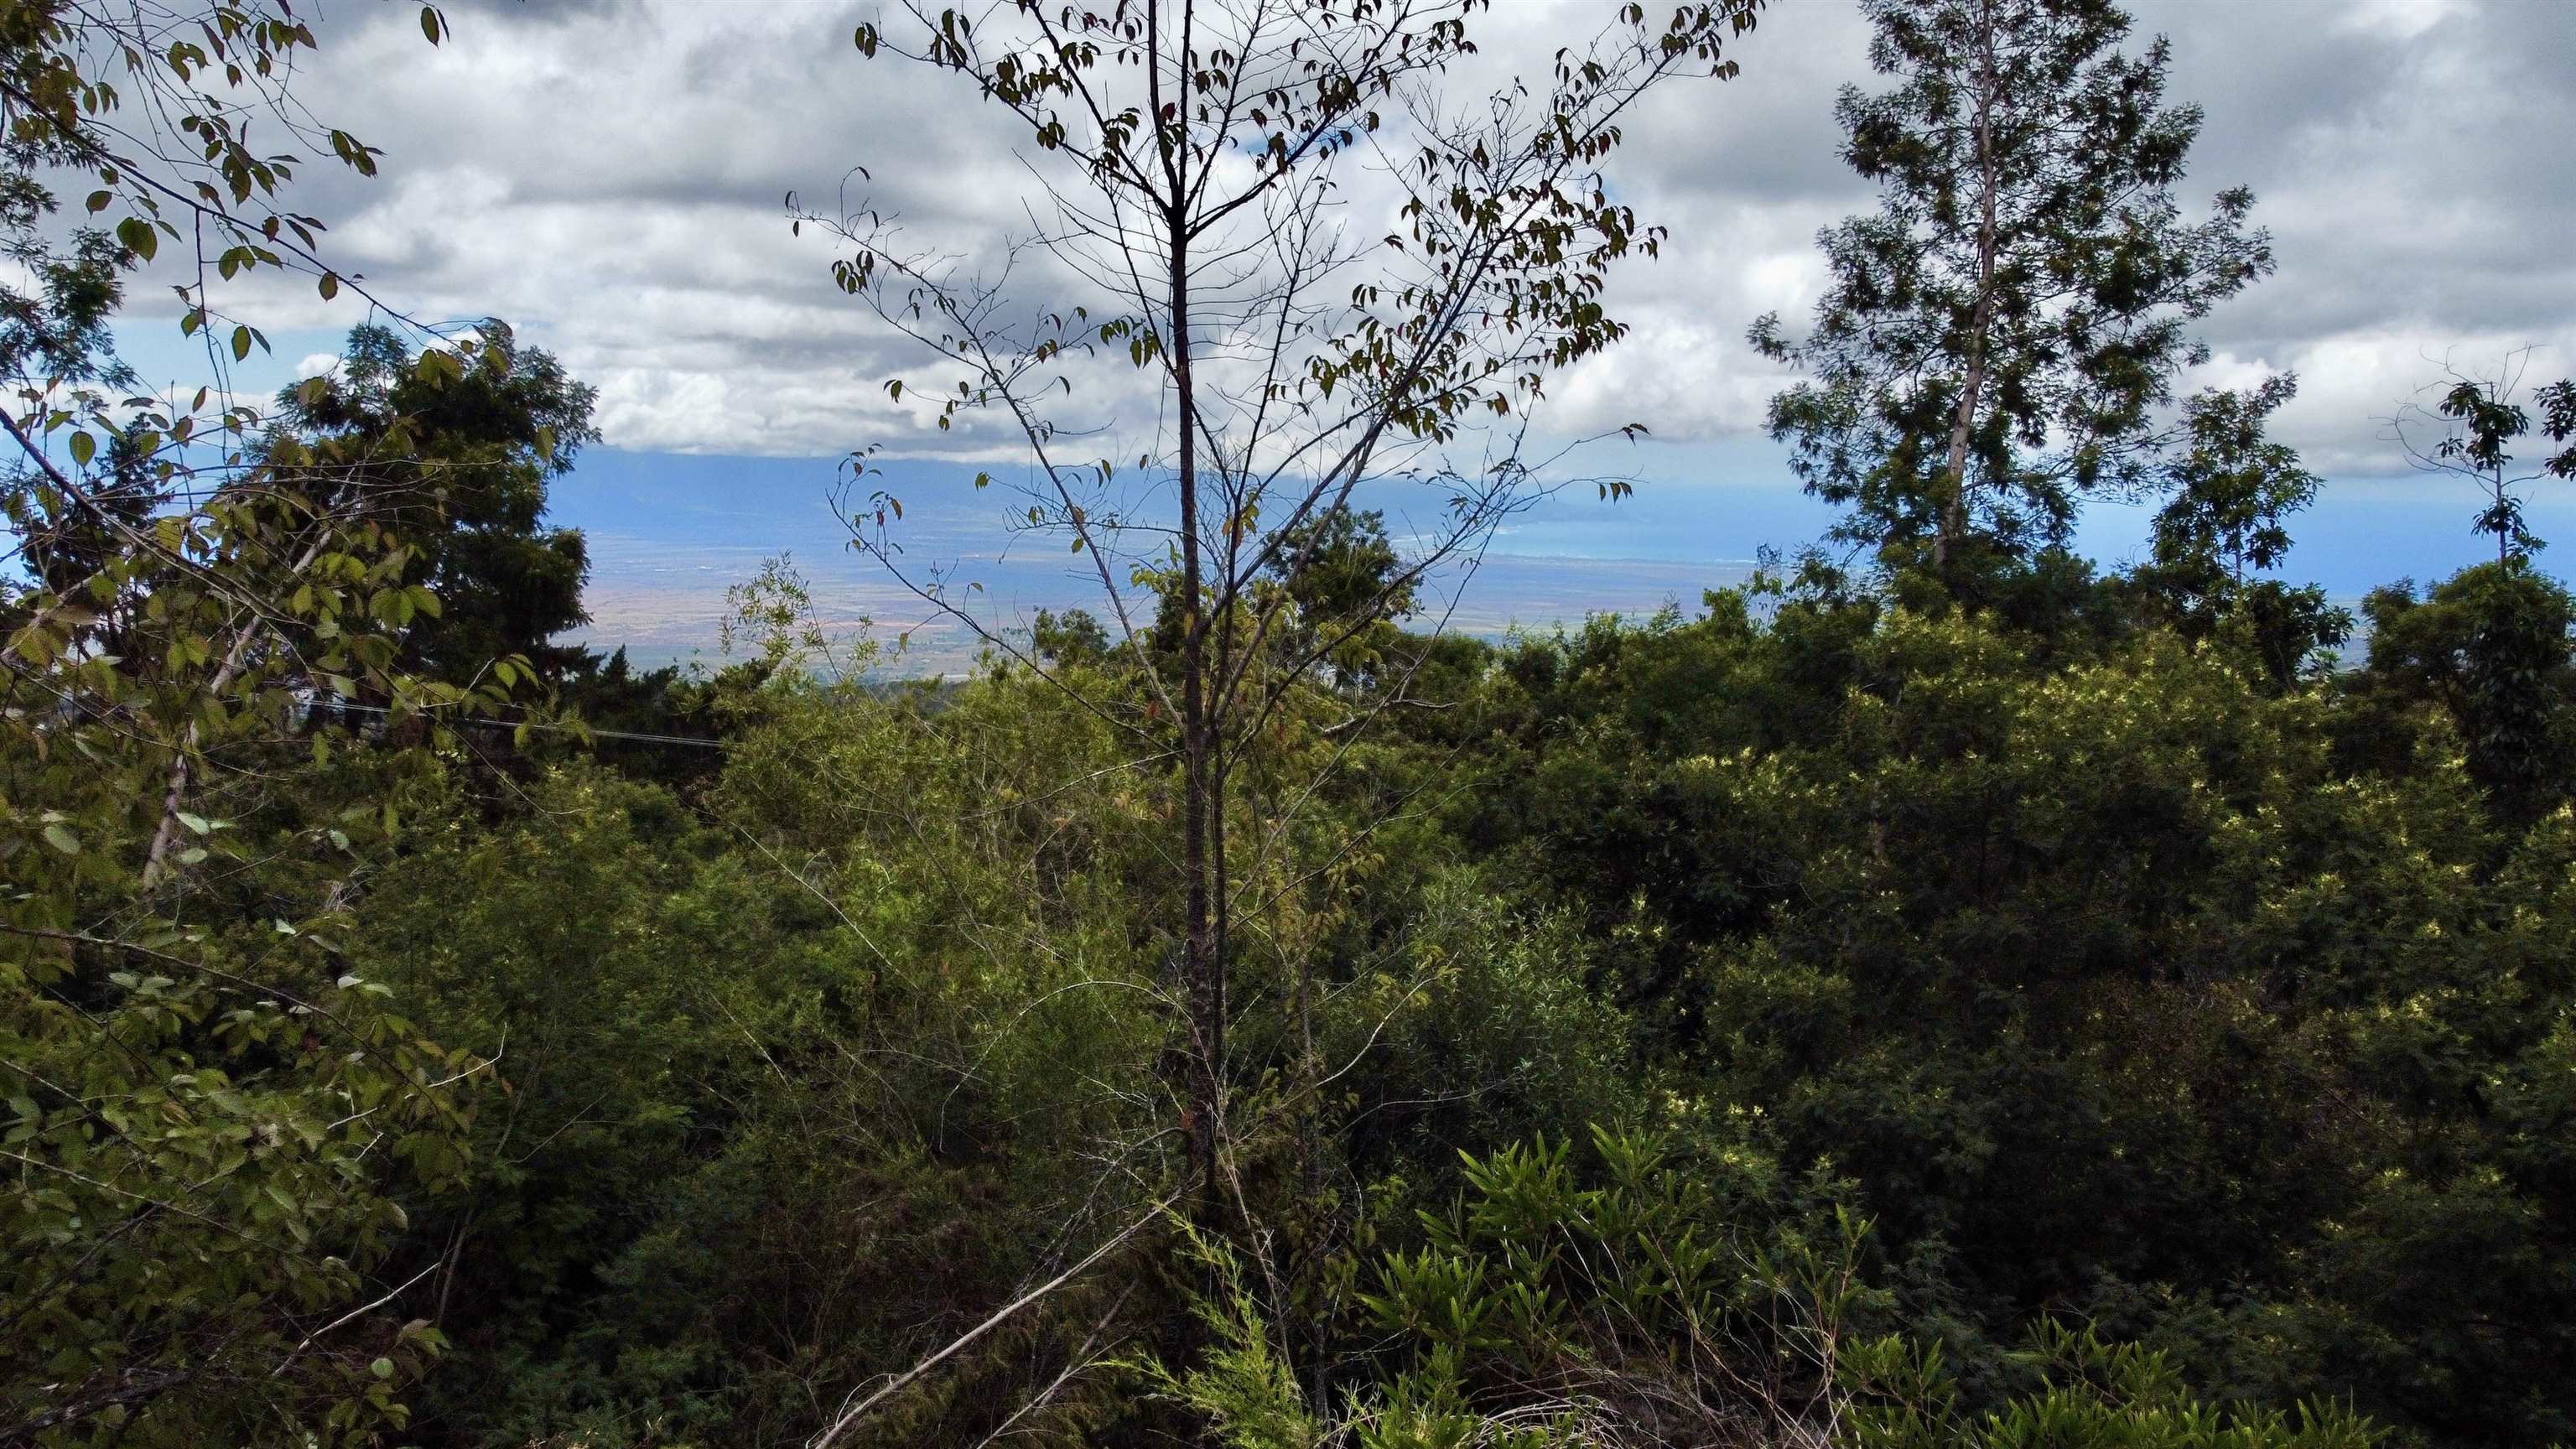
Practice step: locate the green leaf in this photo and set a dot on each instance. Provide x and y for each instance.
(60, 837)
(84, 447)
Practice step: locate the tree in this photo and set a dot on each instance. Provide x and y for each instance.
(1071, 638)
(2230, 492)
(1203, 174)
(2000, 335)
(208, 1116)
(2233, 488)
(458, 468)
(2477, 418)
(2491, 645)
(1201, 157)
(1338, 570)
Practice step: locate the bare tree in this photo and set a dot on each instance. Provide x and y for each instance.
(1326, 275)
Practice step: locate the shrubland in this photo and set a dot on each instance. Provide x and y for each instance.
(1940, 993)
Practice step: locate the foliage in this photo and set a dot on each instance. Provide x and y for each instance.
(2002, 331)
(2092, 1394)
(1653, 1299)
(2489, 647)
(2232, 491)
(1980, 1000)
(2477, 419)
(211, 1118)
(459, 465)
(1193, 164)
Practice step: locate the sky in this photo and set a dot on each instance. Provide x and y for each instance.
(610, 176)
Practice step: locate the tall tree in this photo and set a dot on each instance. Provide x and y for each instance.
(1203, 156)
(1203, 169)
(2002, 333)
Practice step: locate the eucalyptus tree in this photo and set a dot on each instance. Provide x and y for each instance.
(1327, 275)
(2001, 336)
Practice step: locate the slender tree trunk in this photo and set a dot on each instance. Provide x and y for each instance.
(1954, 473)
(1202, 973)
(1954, 506)
(1310, 1178)
(165, 836)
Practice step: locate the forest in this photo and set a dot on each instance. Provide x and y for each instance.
(1946, 993)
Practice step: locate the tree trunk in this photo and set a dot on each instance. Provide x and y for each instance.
(1202, 972)
(165, 836)
(1954, 505)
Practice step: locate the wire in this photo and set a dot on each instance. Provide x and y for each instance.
(533, 725)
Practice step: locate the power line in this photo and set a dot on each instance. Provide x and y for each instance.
(552, 728)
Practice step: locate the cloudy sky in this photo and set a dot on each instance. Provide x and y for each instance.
(609, 175)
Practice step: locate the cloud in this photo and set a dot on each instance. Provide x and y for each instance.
(610, 176)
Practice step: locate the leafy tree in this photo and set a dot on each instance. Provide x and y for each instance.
(1351, 589)
(2491, 647)
(1069, 640)
(2558, 423)
(209, 1117)
(2054, 956)
(2234, 489)
(2001, 334)
(2231, 491)
(679, 719)
(1502, 239)
(457, 466)
(1194, 158)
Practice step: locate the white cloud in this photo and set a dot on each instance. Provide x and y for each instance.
(610, 175)
(2404, 19)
